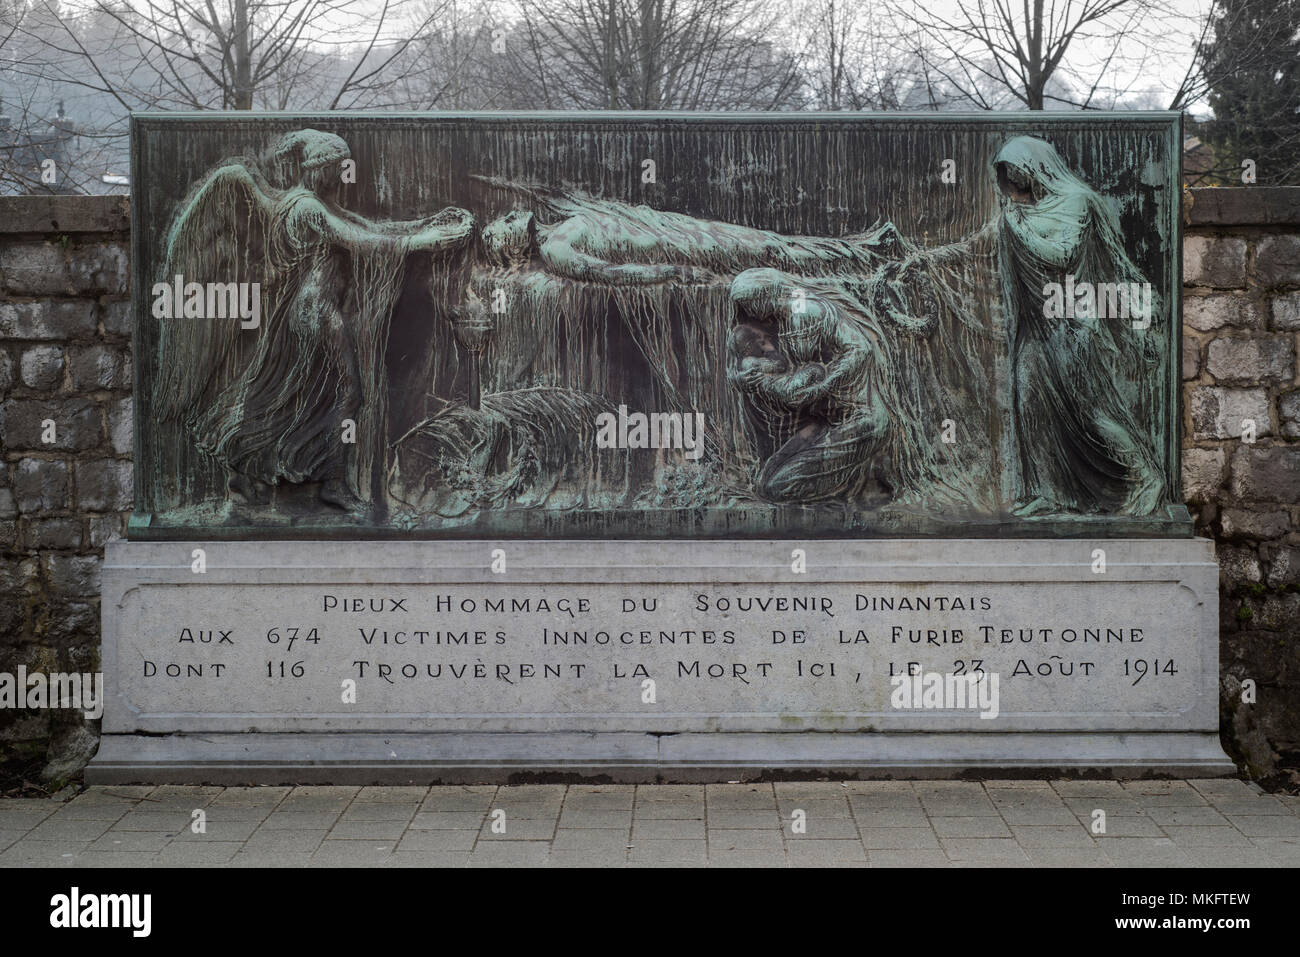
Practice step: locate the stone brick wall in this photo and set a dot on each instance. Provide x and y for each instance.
(65, 356)
(65, 438)
(1241, 454)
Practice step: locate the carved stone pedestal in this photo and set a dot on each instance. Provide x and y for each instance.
(416, 662)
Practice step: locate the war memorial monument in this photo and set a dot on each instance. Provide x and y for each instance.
(656, 447)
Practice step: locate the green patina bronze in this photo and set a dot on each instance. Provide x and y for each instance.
(851, 325)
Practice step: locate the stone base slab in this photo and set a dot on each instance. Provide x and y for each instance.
(316, 662)
(421, 759)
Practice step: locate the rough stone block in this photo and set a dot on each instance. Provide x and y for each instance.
(1240, 524)
(41, 485)
(1288, 406)
(47, 320)
(1237, 566)
(1191, 358)
(1206, 313)
(1286, 312)
(105, 485)
(1220, 413)
(78, 424)
(1283, 565)
(116, 317)
(1266, 474)
(50, 269)
(1277, 260)
(99, 367)
(60, 532)
(72, 575)
(41, 367)
(1203, 473)
(121, 419)
(1218, 261)
(1239, 360)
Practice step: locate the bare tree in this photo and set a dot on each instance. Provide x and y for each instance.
(1035, 53)
(653, 54)
(231, 54)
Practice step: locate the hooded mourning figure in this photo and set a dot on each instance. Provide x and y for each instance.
(270, 404)
(1084, 428)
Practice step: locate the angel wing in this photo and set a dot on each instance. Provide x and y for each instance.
(221, 233)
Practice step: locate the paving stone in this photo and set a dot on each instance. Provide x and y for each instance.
(828, 828)
(681, 810)
(454, 820)
(739, 796)
(114, 860)
(1266, 825)
(995, 850)
(352, 853)
(509, 854)
(301, 820)
(817, 853)
(251, 797)
(519, 829)
(1143, 852)
(478, 798)
(589, 857)
(246, 858)
(1068, 857)
(197, 853)
(1088, 788)
(667, 830)
(892, 817)
(815, 808)
(897, 838)
(367, 830)
(22, 819)
(1211, 836)
(283, 840)
(219, 830)
(733, 839)
(668, 793)
(569, 839)
(970, 827)
(437, 841)
(1017, 814)
(795, 791)
(611, 798)
(379, 812)
(1028, 836)
(957, 805)
(667, 851)
(580, 817)
(54, 829)
(132, 842)
(1014, 784)
(916, 857)
(45, 853)
(391, 795)
(1120, 826)
(1186, 816)
(746, 858)
(748, 818)
(1252, 806)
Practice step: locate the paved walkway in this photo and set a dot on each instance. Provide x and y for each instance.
(881, 824)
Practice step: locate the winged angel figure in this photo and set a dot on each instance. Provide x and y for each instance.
(273, 405)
